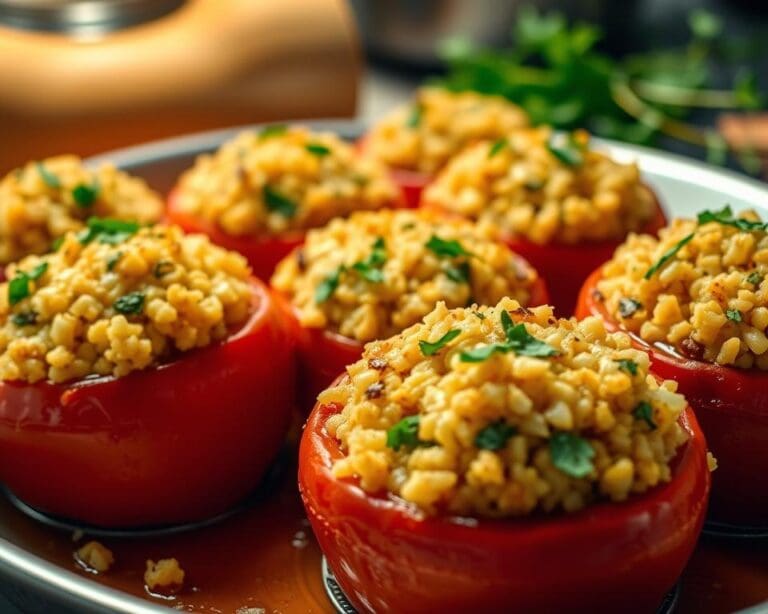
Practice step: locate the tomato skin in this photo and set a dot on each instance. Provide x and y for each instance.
(323, 354)
(173, 444)
(609, 557)
(411, 184)
(732, 407)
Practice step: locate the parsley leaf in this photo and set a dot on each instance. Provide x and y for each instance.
(460, 274)
(415, 117)
(497, 146)
(629, 307)
(107, 230)
(668, 255)
(370, 268)
(85, 195)
(317, 149)
(24, 318)
(571, 454)
(478, 315)
(725, 216)
(734, 315)
(569, 152)
(328, 286)
(446, 248)
(519, 340)
(755, 278)
(628, 365)
(272, 130)
(404, 433)
(644, 411)
(494, 436)
(163, 268)
(18, 287)
(484, 352)
(278, 203)
(129, 304)
(49, 178)
(113, 260)
(431, 348)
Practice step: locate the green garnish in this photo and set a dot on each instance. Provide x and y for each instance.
(569, 153)
(629, 307)
(404, 433)
(85, 195)
(571, 454)
(107, 230)
(113, 260)
(49, 179)
(734, 315)
(56, 243)
(478, 315)
(644, 411)
(317, 149)
(446, 248)
(163, 268)
(431, 348)
(668, 255)
(414, 119)
(628, 365)
(129, 304)
(494, 436)
(272, 130)
(519, 341)
(754, 278)
(328, 286)
(278, 203)
(460, 274)
(725, 216)
(497, 146)
(24, 318)
(370, 268)
(18, 287)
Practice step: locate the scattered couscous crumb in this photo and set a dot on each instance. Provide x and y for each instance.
(115, 298)
(423, 135)
(95, 557)
(544, 188)
(282, 179)
(505, 415)
(711, 461)
(43, 200)
(708, 300)
(376, 273)
(165, 577)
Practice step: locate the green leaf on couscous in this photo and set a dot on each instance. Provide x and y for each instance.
(278, 203)
(49, 178)
(404, 433)
(522, 342)
(414, 118)
(113, 260)
(734, 315)
(478, 315)
(370, 268)
(18, 287)
(754, 278)
(107, 230)
(317, 149)
(629, 307)
(431, 348)
(85, 195)
(163, 268)
(446, 248)
(130, 304)
(569, 152)
(668, 255)
(484, 352)
(327, 287)
(497, 146)
(459, 274)
(494, 436)
(24, 318)
(725, 216)
(272, 130)
(571, 454)
(644, 412)
(628, 365)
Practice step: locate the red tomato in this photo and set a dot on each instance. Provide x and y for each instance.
(565, 267)
(732, 406)
(323, 354)
(262, 253)
(610, 557)
(172, 444)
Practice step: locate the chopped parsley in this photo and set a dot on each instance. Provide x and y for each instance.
(629, 307)
(18, 287)
(278, 203)
(328, 286)
(494, 436)
(628, 365)
(163, 268)
(49, 178)
(478, 315)
(272, 130)
(370, 268)
(446, 249)
(431, 348)
(317, 149)
(497, 146)
(734, 315)
(460, 273)
(415, 116)
(571, 454)
(129, 304)
(755, 278)
(404, 433)
(668, 255)
(644, 412)
(85, 195)
(107, 230)
(725, 216)
(113, 260)
(568, 152)
(24, 318)
(519, 340)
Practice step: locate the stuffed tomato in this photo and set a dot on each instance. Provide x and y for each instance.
(696, 300)
(558, 203)
(260, 192)
(375, 274)
(415, 141)
(522, 464)
(135, 389)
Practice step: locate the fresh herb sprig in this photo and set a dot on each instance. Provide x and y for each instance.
(18, 287)
(431, 348)
(519, 340)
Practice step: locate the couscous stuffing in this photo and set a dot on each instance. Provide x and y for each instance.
(545, 188)
(505, 411)
(116, 298)
(374, 274)
(423, 135)
(700, 287)
(95, 557)
(165, 577)
(43, 200)
(282, 179)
